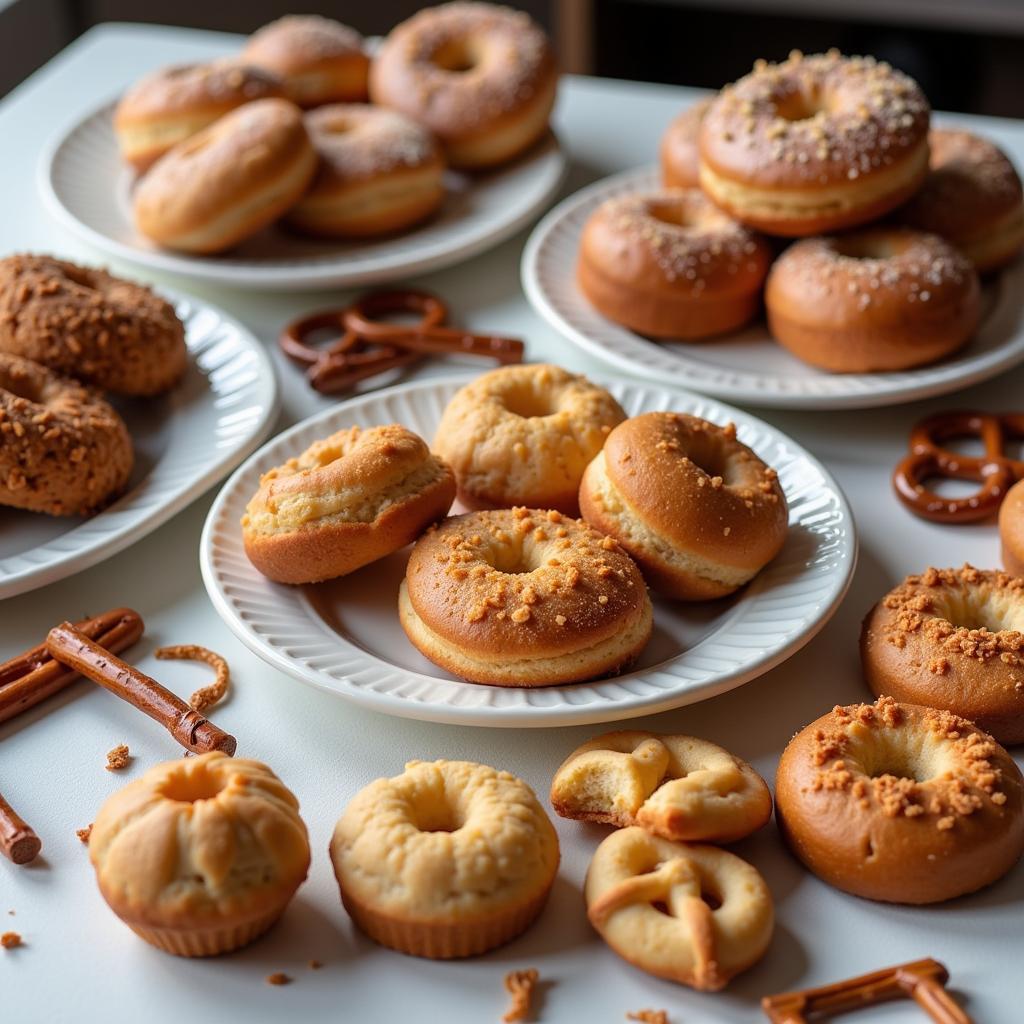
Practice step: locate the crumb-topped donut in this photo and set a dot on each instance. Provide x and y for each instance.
(972, 197)
(679, 151)
(671, 265)
(63, 450)
(1011, 529)
(900, 803)
(696, 508)
(88, 324)
(448, 859)
(815, 144)
(481, 77)
(346, 501)
(952, 639)
(882, 298)
(677, 787)
(524, 598)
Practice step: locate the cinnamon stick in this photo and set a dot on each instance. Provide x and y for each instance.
(17, 840)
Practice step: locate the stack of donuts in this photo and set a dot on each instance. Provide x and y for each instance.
(892, 221)
(305, 126)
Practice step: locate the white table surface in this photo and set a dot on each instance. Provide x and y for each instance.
(80, 964)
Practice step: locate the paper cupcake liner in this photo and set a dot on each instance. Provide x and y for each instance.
(206, 941)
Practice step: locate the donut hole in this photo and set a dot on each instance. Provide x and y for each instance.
(661, 907)
(515, 559)
(973, 610)
(528, 402)
(191, 787)
(800, 106)
(456, 55)
(20, 387)
(867, 245)
(901, 755)
(438, 816)
(710, 896)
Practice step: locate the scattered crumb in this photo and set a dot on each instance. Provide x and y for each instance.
(118, 758)
(648, 1016)
(520, 986)
(278, 979)
(315, 965)
(208, 695)
(10, 940)
(84, 833)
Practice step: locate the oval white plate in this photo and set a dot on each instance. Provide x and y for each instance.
(184, 442)
(87, 187)
(749, 366)
(344, 636)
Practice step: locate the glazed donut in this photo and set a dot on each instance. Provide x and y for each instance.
(523, 598)
(481, 77)
(679, 152)
(671, 265)
(692, 914)
(88, 324)
(1011, 529)
(228, 181)
(172, 104)
(872, 300)
(346, 501)
(319, 60)
(699, 512)
(972, 197)
(676, 787)
(523, 435)
(900, 803)
(379, 172)
(63, 450)
(952, 639)
(815, 144)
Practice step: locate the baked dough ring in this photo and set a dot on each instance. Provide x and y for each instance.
(679, 152)
(1011, 529)
(633, 874)
(677, 787)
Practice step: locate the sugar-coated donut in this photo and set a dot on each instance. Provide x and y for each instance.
(379, 172)
(346, 501)
(88, 324)
(523, 435)
(815, 144)
(228, 181)
(952, 639)
(524, 598)
(63, 450)
(679, 151)
(881, 298)
(972, 197)
(699, 512)
(900, 803)
(1011, 529)
(671, 265)
(318, 59)
(171, 105)
(481, 77)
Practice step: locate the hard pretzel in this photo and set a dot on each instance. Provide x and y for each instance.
(994, 471)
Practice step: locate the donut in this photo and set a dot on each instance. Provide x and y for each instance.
(523, 435)
(676, 787)
(881, 298)
(1011, 529)
(523, 598)
(972, 197)
(815, 144)
(693, 914)
(63, 450)
(379, 172)
(318, 59)
(346, 501)
(900, 803)
(481, 77)
(85, 323)
(699, 512)
(228, 181)
(671, 265)
(172, 104)
(952, 639)
(679, 153)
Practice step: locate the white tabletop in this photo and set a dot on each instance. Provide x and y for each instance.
(80, 964)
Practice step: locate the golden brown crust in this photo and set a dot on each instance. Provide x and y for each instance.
(679, 152)
(1011, 529)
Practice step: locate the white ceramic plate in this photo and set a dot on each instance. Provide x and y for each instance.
(87, 188)
(184, 442)
(748, 366)
(344, 636)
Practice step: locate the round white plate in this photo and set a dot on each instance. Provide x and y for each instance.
(748, 366)
(184, 442)
(344, 636)
(87, 187)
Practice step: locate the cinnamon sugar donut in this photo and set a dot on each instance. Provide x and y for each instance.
(900, 803)
(1011, 529)
(481, 77)
(952, 639)
(671, 265)
(88, 324)
(679, 151)
(63, 450)
(815, 144)
(524, 598)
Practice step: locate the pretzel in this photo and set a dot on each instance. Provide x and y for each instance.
(923, 981)
(928, 460)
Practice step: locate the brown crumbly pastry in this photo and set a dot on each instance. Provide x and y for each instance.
(118, 758)
(680, 152)
(900, 803)
(209, 695)
(10, 940)
(1011, 529)
(952, 639)
(520, 986)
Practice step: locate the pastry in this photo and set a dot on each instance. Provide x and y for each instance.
(1011, 529)
(680, 153)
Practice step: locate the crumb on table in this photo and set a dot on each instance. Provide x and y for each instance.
(84, 833)
(315, 965)
(648, 1016)
(118, 758)
(278, 978)
(10, 940)
(520, 986)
